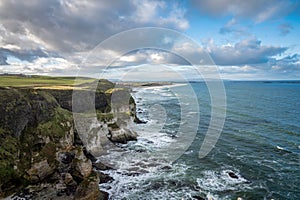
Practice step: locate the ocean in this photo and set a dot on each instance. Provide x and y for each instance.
(257, 155)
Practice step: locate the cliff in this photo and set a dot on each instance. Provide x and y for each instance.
(41, 153)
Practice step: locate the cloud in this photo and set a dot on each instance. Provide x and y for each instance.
(248, 51)
(67, 29)
(23, 55)
(246, 57)
(286, 64)
(287, 67)
(69, 26)
(41, 65)
(285, 28)
(3, 60)
(233, 27)
(146, 11)
(52, 36)
(256, 10)
(63, 25)
(237, 69)
(227, 28)
(245, 52)
(176, 17)
(133, 58)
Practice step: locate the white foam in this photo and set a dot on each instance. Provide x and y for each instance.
(148, 185)
(136, 171)
(188, 152)
(221, 181)
(163, 86)
(210, 196)
(280, 148)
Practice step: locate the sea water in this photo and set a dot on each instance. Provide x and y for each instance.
(259, 144)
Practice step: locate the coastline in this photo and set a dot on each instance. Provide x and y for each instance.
(44, 155)
(40, 143)
(135, 162)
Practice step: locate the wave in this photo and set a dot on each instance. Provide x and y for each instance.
(163, 183)
(224, 180)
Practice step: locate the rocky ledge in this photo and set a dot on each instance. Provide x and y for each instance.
(42, 156)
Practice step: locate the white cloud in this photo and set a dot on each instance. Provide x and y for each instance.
(247, 51)
(176, 17)
(55, 66)
(146, 10)
(237, 69)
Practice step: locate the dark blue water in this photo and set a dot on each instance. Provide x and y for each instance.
(260, 144)
(260, 140)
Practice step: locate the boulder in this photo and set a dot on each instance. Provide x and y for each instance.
(233, 175)
(83, 164)
(101, 166)
(39, 171)
(88, 188)
(198, 197)
(104, 178)
(66, 157)
(68, 179)
(122, 135)
(103, 195)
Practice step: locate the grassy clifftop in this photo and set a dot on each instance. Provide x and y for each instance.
(36, 81)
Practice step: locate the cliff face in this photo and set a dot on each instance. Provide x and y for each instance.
(41, 154)
(24, 107)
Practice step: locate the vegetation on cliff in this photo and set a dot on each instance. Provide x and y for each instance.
(40, 146)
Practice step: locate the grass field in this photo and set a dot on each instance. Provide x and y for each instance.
(41, 81)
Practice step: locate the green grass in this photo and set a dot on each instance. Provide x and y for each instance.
(105, 117)
(8, 155)
(37, 81)
(112, 90)
(56, 128)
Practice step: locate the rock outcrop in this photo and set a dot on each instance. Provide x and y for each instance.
(122, 135)
(41, 153)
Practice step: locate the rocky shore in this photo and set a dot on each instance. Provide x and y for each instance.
(42, 156)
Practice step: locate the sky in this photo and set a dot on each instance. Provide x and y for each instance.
(245, 40)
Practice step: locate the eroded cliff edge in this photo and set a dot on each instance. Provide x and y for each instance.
(41, 153)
